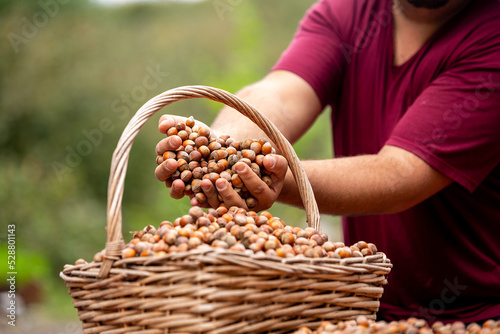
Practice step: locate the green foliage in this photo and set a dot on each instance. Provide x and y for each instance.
(73, 85)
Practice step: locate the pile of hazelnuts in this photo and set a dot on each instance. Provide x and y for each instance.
(239, 230)
(202, 157)
(410, 326)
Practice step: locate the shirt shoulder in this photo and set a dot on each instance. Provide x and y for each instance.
(472, 38)
(327, 37)
(347, 18)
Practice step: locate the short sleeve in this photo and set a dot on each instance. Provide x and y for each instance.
(454, 124)
(315, 53)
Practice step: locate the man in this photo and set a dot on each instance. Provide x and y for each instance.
(414, 88)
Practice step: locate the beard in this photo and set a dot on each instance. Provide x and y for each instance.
(429, 4)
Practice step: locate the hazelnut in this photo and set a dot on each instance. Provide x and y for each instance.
(81, 261)
(251, 202)
(213, 146)
(169, 155)
(200, 197)
(190, 121)
(171, 131)
(344, 252)
(236, 181)
(302, 241)
(195, 155)
(204, 131)
(319, 240)
(201, 141)
(141, 247)
(266, 148)
(245, 144)
(287, 238)
(186, 219)
(204, 151)
(256, 147)
(186, 175)
(357, 254)
(329, 246)
(248, 154)
(194, 242)
(196, 212)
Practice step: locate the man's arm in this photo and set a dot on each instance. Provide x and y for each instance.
(286, 99)
(388, 182)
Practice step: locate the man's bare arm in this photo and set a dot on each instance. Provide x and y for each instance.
(286, 99)
(388, 182)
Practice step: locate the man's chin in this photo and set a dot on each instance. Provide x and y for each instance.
(429, 4)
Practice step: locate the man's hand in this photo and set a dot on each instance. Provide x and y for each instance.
(169, 166)
(265, 194)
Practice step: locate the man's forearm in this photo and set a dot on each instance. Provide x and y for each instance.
(387, 182)
(370, 184)
(231, 122)
(283, 97)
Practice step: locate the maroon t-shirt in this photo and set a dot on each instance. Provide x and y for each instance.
(443, 105)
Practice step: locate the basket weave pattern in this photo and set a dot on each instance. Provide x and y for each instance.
(216, 290)
(224, 292)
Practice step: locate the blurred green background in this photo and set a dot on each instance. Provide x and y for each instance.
(72, 73)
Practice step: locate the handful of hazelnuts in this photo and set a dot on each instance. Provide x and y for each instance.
(203, 157)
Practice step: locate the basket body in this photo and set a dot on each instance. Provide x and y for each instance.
(222, 291)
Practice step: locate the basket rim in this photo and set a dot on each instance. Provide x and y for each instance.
(208, 255)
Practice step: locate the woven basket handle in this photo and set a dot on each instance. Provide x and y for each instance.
(115, 244)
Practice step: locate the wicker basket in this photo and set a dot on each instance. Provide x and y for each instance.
(217, 291)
